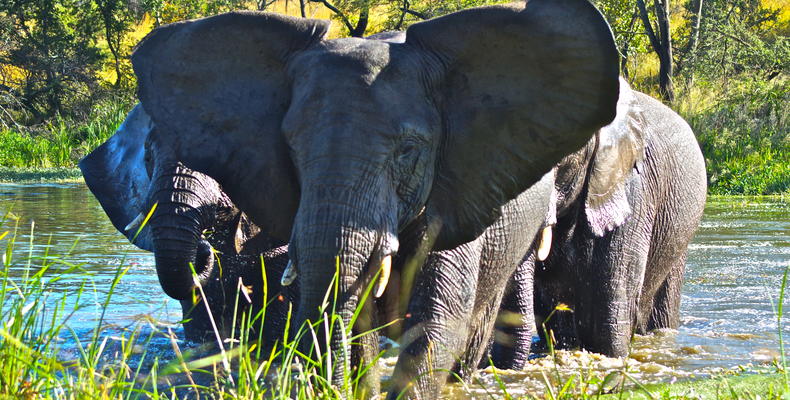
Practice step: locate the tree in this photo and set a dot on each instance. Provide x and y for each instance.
(623, 16)
(736, 37)
(661, 41)
(167, 11)
(117, 19)
(50, 55)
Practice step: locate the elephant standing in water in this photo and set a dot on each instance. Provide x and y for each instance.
(230, 249)
(118, 174)
(627, 204)
(353, 150)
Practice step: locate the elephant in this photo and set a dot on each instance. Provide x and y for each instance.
(121, 184)
(628, 204)
(354, 151)
(228, 258)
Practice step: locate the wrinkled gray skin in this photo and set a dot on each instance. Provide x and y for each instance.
(117, 173)
(628, 204)
(411, 147)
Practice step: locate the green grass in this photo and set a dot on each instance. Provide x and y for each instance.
(744, 386)
(34, 321)
(744, 132)
(61, 142)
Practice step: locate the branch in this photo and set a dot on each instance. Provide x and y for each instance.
(689, 54)
(733, 37)
(415, 13)
(339, 13)
(263, 4)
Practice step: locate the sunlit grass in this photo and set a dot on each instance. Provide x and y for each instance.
(744, 132)
(60, 142)
(109, 364)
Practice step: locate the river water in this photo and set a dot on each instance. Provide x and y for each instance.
(733, 275)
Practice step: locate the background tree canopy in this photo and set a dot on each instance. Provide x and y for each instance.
(65, 74)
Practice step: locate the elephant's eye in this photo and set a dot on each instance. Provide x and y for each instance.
(407, 152)
(409, 161)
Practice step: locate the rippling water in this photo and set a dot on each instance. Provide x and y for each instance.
(733, 275)
(69, 224)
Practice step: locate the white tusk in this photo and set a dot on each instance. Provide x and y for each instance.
(545, 243)
(384, 277)
(135, 222)
(289, 275)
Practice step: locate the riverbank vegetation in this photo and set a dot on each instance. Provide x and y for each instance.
(66, 81)
(42, 357)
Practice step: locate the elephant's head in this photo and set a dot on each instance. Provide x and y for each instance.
(128, 177)
(594, 178)
(341, 144)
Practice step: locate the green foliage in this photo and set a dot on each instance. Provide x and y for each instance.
(402, 13)
(53, 103)
(626, 27)
(117, 20)
(745, 137)
(738, 38)
(167, 11)
(49, 56)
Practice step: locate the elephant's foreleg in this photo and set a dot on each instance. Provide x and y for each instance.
(437, 323)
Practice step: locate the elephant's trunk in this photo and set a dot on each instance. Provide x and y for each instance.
(177, 225)
(338, 231)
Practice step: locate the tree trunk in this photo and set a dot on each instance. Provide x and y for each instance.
(665, 55)
(362, 23)
(661, 43)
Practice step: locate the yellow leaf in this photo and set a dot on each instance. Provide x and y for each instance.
(562, 307)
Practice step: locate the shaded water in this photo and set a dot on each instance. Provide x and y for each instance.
(733, 275)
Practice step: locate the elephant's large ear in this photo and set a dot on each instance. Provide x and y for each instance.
(619, 150)
(520, 89)
(221, 83)
(115, 173)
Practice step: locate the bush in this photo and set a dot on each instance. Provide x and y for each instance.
(745, 137)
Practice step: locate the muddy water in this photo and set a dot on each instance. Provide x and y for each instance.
(733, 275)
